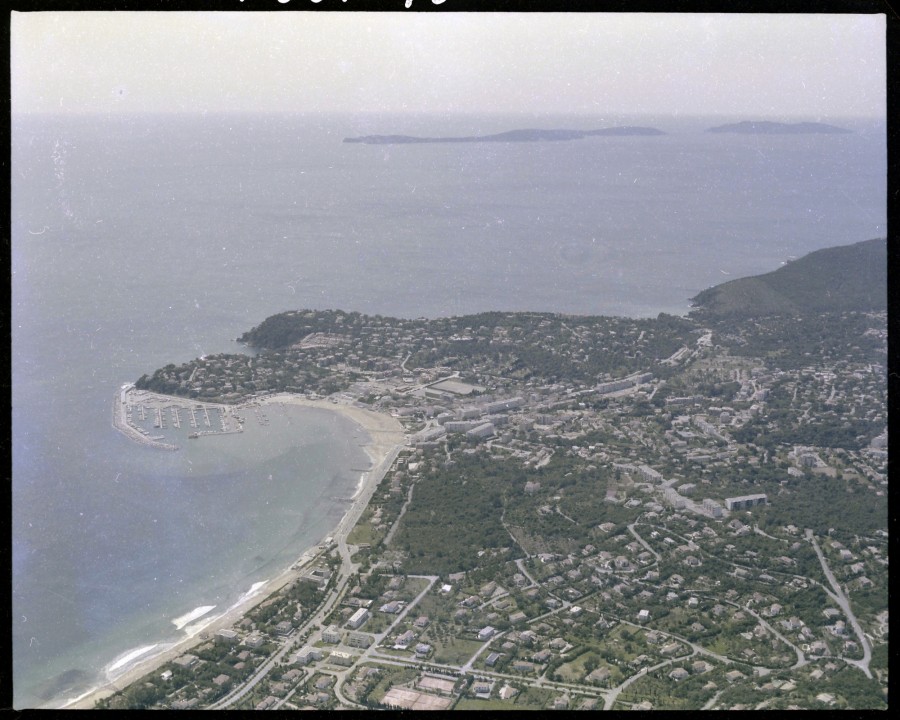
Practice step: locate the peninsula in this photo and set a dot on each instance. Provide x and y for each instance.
(573, 512)
(526, 135)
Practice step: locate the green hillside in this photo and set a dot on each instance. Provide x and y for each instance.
(849, 277)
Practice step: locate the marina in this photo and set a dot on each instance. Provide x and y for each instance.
(142, 416)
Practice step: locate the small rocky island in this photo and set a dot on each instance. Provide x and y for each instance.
(767, 127)
(525, 135)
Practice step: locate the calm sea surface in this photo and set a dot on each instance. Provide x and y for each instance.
(139, 241)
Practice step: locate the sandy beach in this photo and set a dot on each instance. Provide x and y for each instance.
(385, 438)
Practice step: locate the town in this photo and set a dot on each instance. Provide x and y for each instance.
(589, 513)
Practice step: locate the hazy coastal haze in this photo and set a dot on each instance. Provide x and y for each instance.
(179, 177)
(759, 65)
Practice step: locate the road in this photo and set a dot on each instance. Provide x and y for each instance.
(344, 573)
(390, 536)
(842, 600)
(610, 696)
(643, 542)
(520, 563)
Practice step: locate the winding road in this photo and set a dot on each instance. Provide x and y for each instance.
(842, 600)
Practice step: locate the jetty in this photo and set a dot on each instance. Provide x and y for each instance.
(121, 422)
(160, 408)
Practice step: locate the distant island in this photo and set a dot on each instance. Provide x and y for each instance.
(524, 135)
(766, 127)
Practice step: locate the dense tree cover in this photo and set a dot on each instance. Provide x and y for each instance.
(667, 694)
(821, 502)
(283, 329)
(790, 342)
(524, 346)
(857, 691)
(454, 514)
(456, 511)
(834, 431)
(553, 348)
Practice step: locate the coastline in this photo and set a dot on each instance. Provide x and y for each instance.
(385, 439)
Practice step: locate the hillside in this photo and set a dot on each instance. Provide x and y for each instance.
(849, 277)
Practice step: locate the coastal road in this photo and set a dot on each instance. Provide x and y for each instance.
(390, 536)
(333, 598)
(344, 573)
(373, 478)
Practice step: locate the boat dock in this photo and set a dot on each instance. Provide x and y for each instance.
(122, 423)
(141, 415)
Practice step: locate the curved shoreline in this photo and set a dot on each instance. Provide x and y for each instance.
(385, 439)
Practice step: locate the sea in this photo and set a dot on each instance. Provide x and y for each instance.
(143, 240)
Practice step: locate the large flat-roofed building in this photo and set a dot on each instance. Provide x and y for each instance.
(649, 474)
(482, 431)
(501, 405)
(358, 618)
(338, 657)
(308, 655)
(429, 434)
(331, 635)
(359, 640)
(454, 426)
(226, 635)
(745, 502)
(186, 660)
(457, 387)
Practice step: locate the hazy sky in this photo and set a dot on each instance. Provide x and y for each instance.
(760, 65)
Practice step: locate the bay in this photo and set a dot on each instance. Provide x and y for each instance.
(143, 240)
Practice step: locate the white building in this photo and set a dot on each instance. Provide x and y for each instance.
(486, 633)
(358, 618)
(331, 635)
(744, 502)
(484, 430)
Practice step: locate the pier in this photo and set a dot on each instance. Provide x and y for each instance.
(133, 406)
(120, 422)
